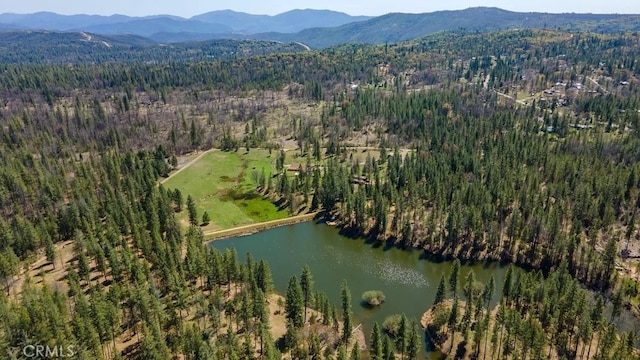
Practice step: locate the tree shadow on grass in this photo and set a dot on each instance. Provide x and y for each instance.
(234, 195)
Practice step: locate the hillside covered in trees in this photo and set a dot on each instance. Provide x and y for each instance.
(517, 146)
(46, 47)
(536, 317)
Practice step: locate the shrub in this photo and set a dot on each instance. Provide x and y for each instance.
(391, 324)
(373, 297)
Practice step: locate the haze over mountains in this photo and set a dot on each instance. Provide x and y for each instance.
(215, 22)
(395, 27)
(315, 28)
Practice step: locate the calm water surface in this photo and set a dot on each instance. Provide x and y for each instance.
(409, 282)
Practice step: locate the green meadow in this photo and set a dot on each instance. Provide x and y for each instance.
(222, 184)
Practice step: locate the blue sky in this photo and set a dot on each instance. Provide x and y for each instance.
(187, 8)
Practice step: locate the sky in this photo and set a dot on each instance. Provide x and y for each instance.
(188, 8)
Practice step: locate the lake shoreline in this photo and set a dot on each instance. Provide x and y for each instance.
(257, 227)
(401, 275)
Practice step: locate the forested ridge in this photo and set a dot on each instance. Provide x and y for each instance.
(46, 47)
(517, 146)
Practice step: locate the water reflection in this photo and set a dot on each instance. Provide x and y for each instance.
(408, 282)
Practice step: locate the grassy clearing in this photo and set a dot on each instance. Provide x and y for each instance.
(221, 183)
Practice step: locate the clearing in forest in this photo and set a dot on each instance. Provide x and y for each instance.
(223, 184)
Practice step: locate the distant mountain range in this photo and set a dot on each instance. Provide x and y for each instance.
(315, 28)
(400, 27)
(288, 22)
(215, 22)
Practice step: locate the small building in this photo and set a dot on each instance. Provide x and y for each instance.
(360, 180)
(295, 167)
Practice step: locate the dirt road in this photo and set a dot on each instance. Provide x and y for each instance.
(252, 228)
(185, 166)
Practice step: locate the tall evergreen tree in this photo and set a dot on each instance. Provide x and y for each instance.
(306, 283)
(597, 318)
(413, 341)
(441, 292)
(177, 199)
(402, 337)
(387, 348)
(50, 251)
(191, 209)
(453, 278)
(294, 303)
(291, 338)
(487, 295)
(263, 277)
(346, 312)
(355, 352)
(453, 320)
(375, 350)
(507, 284)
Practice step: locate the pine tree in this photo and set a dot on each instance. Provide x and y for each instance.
(609, 260)
(480, 328)
(263, 277)
(294, 303)
(584, 330)
(314, 347)
(487, 295)
(441, 292)
(488, 291)
(468, 310)
(468, 288)
(194, 134)
(342, 352)
(375, 352)
(355, 352)
(177, 199)
(507, 284)
(453, 320)
(346, 312)
(413, 341)
(291, 336)
(50, 251)
(306, 283)
(387, 349)
(205, 218)
(193, 212)
(9, 264)
(401, 339)
(597, 314)
(453, 278)
(617, 304)
(83, 266)
(231, 268)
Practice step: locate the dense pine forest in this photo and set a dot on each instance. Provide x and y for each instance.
(519, 146)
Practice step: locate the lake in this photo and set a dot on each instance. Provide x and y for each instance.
(408, 282)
